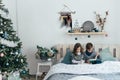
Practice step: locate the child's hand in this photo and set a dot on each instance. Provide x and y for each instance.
(87, 61)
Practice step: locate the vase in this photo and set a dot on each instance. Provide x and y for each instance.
(101, 28)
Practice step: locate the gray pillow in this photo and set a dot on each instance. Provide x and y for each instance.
(106, 55)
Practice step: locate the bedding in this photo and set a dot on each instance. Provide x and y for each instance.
(108, 70)
(95, 76)
(83, 78)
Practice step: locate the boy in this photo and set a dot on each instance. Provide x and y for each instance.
(90, 55)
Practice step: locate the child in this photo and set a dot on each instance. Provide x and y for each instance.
(77, 54)
(90, 55)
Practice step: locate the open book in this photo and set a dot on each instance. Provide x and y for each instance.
(92, 59)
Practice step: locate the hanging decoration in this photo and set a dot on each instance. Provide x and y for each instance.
(66, 17)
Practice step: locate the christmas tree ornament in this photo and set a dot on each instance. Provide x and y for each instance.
(3, 46)
(7, 64)
(1, 32)
(16, 53)
(5, 35)
(11, 53)
(22, 60)
(5, 73)
(23, 71)
(17, 60)
(2, 54)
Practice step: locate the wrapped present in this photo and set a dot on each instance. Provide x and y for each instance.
(14, 76)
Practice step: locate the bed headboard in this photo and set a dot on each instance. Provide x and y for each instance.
(63, 48)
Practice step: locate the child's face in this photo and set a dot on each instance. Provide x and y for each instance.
(78, 50)
(90, 50)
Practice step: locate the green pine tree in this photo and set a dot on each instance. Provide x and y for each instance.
(11, 58)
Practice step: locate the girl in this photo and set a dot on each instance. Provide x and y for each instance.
(77, 54)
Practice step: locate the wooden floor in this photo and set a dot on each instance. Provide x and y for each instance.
(33, 77)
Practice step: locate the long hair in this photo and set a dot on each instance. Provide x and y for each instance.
(77, 45)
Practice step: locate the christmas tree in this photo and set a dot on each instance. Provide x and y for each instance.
(11, 58)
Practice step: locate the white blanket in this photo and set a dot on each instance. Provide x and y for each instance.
(83, 78)
(105, 67)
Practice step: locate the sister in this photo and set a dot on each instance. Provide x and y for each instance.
(74, 57)
(77, 56)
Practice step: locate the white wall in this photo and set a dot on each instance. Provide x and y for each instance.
(38, 22)
(11, 6)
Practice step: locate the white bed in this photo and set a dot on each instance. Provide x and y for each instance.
(107, 67)
(108, 70)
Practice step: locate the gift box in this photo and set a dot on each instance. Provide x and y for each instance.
(14, 76)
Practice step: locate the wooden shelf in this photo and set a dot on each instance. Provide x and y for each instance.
(88, 33)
